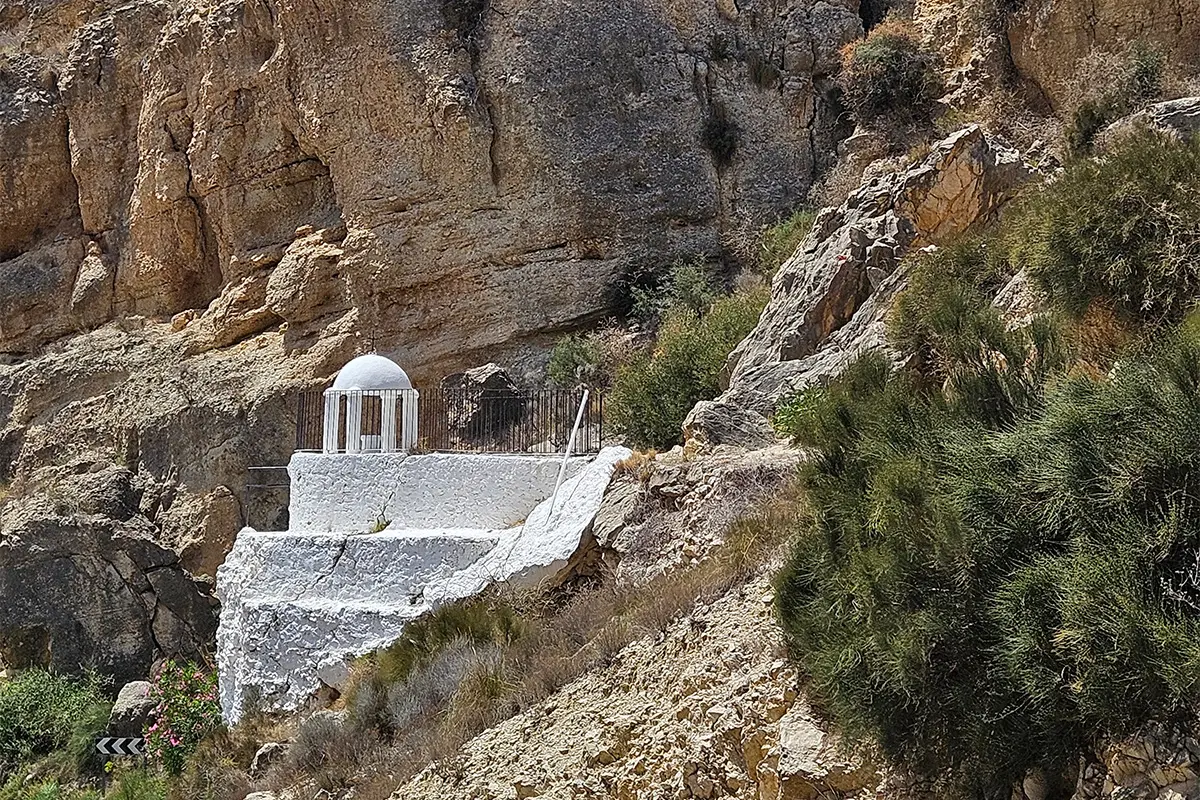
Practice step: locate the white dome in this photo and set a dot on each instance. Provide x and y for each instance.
(370, 373)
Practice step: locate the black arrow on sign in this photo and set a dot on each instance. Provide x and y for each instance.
(121, 746)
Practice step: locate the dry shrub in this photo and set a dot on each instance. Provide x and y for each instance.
(1107, 86)
(329, 752)
(1004, 113)
(889, 79)
(1100, 336)
(639, 465)
(214, 772)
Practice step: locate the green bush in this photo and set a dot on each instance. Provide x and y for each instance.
(690, 284)
(39, 712)
(889, 79)
(576, 358)
(136, 784)
(981, 598)
(479, 620)
(1123, 230)
(653, 393)
(186, 711)
(945, 321)
(780, 241)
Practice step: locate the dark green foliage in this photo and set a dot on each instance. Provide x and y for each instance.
(1124, 230)
(982, 597)
(946, 320)
(889, 80)
(720, 135)
(39, 712)
(576, 358)
(652, 394)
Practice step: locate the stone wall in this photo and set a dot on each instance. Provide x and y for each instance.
(357, 492)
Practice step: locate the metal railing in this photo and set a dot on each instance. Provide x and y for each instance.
(477, 420)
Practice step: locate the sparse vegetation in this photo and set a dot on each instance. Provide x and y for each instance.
(690, 285)
(889, 79)
(589, 358)
(781, 240)
(41, 713)
(474, 663)
(1110, 86)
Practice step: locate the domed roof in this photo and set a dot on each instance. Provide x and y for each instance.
(371, 372)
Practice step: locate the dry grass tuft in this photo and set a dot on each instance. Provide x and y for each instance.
(640, 465)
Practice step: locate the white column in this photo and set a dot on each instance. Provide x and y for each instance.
(329, 438)
(387, 421)
(353, 422)
(408, 435)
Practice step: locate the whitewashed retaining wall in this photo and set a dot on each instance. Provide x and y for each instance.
(297, 605)
(440, 490)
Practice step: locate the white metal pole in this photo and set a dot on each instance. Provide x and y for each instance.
(562, 469)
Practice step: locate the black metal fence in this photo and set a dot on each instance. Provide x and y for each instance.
(476, 420)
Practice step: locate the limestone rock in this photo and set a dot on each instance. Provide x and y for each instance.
(1177, 117)
(267, 755)
(459, 175)
(830, 300)
(1019, 301)
(131, 710)
(810, 759)
(713, 423)
(700, 710)
(481, 402)
(82, 590)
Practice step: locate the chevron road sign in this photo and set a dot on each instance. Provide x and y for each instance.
(114, 746)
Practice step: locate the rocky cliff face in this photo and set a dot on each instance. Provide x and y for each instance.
(503, 163)
(830, 301)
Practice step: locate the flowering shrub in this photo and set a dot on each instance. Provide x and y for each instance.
(185, 713)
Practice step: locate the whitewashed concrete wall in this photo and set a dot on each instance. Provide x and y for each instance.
(294, 604)
(440, 490)
(297, 605)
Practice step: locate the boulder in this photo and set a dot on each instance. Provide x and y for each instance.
(131, 710)
(1179, 118)
(714, 423)
(811, 760)
(481, 402)
(830, 300)
(82, 591)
